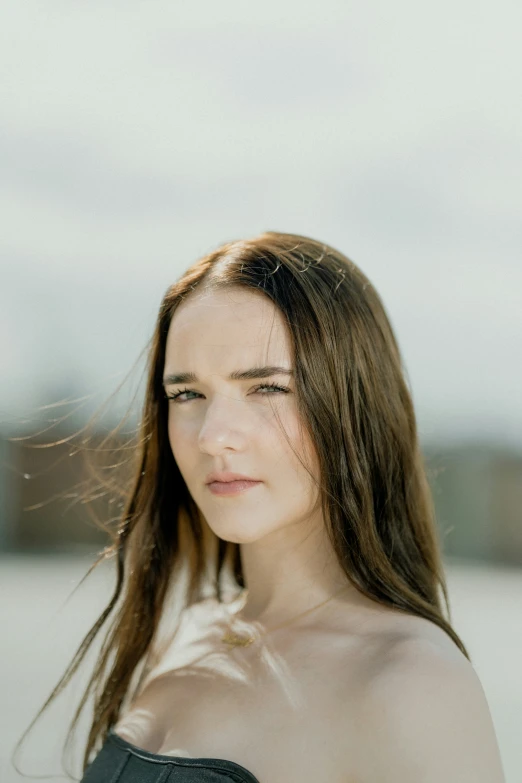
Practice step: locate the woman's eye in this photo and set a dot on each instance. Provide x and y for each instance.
(178, 394)
(271, 386)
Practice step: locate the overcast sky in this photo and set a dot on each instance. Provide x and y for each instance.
(136, 136)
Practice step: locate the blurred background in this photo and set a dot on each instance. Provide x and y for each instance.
(136, 137)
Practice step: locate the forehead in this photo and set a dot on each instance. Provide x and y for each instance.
(217, 328)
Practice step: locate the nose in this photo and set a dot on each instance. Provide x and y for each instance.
(224, 425)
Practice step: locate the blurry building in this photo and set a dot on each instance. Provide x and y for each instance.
(477, 493)
(50, 498)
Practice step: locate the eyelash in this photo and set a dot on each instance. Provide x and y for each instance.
(261, 386)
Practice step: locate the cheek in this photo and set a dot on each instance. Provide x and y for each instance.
(180, 439)
(293, 438)
(293, 448)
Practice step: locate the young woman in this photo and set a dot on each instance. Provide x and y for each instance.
(279, 570)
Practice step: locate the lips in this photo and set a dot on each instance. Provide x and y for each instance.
(231, 487)
(226, 477)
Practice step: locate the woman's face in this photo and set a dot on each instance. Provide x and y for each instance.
(221, 424)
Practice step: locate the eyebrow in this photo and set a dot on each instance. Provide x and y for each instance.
(237, 375)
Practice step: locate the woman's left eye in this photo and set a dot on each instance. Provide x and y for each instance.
(272, 386)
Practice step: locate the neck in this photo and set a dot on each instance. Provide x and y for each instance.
(288, 572)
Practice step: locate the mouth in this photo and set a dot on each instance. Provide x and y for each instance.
(232, 487)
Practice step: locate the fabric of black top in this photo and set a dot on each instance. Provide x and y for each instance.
(119, 761)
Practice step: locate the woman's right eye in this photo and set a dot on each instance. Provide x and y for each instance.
(177, 394)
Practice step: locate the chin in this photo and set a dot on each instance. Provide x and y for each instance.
(237, 534)
(237, 537)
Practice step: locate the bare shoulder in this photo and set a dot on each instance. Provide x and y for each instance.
(425, 717)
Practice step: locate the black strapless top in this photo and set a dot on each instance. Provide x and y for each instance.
(119, 761)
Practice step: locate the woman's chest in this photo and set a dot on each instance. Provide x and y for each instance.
(284, 720)
(279, 734)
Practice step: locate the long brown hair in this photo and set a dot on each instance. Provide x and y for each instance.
(353, 396)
